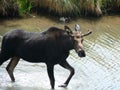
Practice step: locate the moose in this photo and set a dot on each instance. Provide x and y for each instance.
(50, 47)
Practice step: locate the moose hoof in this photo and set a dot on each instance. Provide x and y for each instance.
(13, 80)
(64, 85)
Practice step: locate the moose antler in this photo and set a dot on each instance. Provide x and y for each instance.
(77, 27)
(86, 34)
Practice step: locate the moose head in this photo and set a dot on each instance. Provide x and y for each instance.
(77, 39)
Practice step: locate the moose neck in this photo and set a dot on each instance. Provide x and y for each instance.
(68, 43)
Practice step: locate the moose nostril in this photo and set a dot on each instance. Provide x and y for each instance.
(82, 53)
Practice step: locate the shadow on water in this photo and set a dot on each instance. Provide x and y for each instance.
(99, 70)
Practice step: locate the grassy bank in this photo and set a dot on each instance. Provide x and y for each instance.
(59, 7)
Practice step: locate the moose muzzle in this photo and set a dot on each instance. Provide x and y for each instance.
(81, 53)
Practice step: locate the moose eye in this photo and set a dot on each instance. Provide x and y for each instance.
(77, 36)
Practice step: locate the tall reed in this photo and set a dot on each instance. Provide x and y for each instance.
(110, 6)
(59, 7)
(15, 7)
(90, 7)
(71, 7)
(8, 8)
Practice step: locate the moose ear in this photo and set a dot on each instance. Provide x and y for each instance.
(69, 31)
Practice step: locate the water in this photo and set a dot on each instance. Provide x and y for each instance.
(99, 70)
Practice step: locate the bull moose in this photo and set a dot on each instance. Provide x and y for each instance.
(50, 47)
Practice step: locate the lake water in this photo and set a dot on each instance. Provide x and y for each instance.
(99, 70)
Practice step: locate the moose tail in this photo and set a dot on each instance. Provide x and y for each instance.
(0, 58)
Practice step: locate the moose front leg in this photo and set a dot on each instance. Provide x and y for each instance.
(50, 70)
(66, 65)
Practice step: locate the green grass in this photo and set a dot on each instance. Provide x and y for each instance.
(60, 7)
(24, 6)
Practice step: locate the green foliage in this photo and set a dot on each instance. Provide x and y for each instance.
(24, 6)
(60, 7)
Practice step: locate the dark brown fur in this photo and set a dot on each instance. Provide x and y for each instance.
(51, 47)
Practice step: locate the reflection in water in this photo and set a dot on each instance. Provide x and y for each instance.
(99, 70)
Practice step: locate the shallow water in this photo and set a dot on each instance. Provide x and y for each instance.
(99, 70)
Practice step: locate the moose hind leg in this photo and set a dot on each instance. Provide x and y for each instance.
(3, 58)
(66, 65)
(10, 68)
